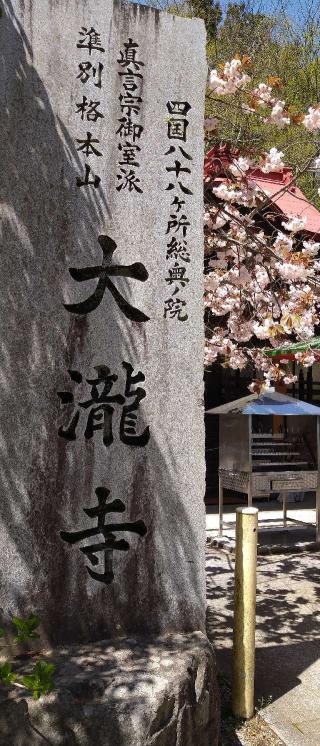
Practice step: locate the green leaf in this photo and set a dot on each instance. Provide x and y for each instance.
(26, 628)
(28, 681)
(2, 632)
(6, 675)
(42, 668)
(40, 682)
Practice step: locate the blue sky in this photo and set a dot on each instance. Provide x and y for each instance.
(295, 8)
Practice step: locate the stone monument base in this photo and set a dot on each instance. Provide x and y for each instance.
(156, 691)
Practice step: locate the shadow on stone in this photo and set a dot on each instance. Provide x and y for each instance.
(156, 691)
(166, 687)
(43, 484)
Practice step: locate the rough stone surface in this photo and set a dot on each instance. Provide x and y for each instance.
(134, 692)
(49, 225)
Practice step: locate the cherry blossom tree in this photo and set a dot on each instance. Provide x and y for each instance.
(263, 277)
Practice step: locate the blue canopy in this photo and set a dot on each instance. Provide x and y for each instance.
(271, 402)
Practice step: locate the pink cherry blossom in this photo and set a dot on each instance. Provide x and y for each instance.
(261, 283)
(312, 120)
(273, 161)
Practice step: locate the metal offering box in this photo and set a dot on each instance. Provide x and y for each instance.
(269, 443)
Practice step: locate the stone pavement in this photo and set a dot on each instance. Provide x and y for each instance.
(287, 638)
(271, 510)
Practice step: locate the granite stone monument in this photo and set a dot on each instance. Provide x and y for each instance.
(102, 529)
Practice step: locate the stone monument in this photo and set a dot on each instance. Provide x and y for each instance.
(101, 432)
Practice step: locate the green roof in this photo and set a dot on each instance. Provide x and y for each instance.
(311, 344)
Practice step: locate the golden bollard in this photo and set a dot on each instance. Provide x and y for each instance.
(244, 620)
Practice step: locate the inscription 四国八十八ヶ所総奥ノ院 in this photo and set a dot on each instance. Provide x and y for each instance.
(177, 250)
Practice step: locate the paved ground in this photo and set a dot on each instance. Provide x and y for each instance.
(301, 511)
(287, 638)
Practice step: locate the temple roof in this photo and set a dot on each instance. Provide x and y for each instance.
(270, 402)
(291, 201)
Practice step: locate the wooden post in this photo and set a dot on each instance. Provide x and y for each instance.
(244, 612)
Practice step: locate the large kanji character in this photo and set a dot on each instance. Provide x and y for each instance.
(108, 531)
(136, 271)
(101, 405)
